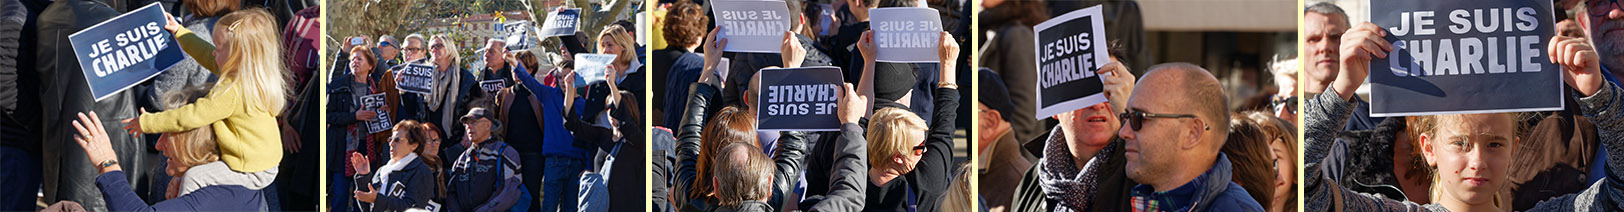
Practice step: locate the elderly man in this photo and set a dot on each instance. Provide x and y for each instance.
(1175, 123)
(388, 52)
(415, 48)
(1082, 162)
(1324, 24)
(488, 177)
(496, 66)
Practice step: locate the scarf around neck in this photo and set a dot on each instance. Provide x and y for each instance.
(1072, 187)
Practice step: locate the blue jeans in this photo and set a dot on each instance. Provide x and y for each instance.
(21, 177)
(340, 194)
(560, 183)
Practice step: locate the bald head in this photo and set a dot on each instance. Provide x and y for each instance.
(1184, 84)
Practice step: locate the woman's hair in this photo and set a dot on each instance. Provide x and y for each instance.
(891, 132)
(618, 35)
(450, 49)
(730, 125)
(196, 146)
(958, 195)
(742, 174)
(528, 60)
(685, 24)
(1276, 128)
(422, 131)
(364, 51)
(1248, 150)
(254, 59)
(210, 8)
(1431, 125)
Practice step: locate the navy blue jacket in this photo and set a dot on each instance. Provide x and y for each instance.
(485, 178)
(120, 197)
(410, 187)
(1212, 191)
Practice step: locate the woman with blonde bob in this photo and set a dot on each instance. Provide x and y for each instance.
(242, 107)
(1470, 154)
(202, 183)
(615, 40)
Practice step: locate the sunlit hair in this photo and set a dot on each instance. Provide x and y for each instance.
(254, 59)
(528, 60)
(730, 125)
(685, 24)
(1433, 124)
(743, 173)
(958, 196)
(424, 131)
(1248, 150)
(210, 8)
(1277, 130)
(891, 132)
(366, 51)
(618, 35)
(450, 49)
(196, 146)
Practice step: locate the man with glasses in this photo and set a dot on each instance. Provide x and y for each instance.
(1175, 124)
(388, 52)
(1081, 164)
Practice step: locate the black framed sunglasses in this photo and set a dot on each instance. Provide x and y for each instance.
(1288, 104)
(1601, 7)
(1136, 119)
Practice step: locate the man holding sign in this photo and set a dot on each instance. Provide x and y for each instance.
(1457, 57)
(1070, 48)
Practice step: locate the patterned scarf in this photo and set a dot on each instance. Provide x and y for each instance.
(1062, 181)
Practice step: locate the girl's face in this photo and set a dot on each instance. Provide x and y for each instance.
(359, 65)
(1285, 169)
(1472, 154)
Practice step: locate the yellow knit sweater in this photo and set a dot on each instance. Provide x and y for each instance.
(249, 139)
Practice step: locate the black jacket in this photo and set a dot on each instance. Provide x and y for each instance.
(933, 173)
(788, 161)
(410, 187)
(1113, 189)
(63, 94)
(837, 172)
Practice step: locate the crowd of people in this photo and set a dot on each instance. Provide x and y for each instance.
(1562, 160)
(894, 150)
(1168, 139)
(216, 131)
(540, 138)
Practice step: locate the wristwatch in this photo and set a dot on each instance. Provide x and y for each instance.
(107, 163)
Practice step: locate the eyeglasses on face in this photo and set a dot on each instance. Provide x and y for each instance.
(1136, 119)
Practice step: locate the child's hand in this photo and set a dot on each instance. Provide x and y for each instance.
(171, 24)
(133, 125)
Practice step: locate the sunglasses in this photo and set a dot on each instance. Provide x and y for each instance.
(1288, 104)
(436, 46)
(920, 149)
(1136, 119)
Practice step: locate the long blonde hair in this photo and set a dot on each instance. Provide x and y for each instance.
(450, 51)
(618, 35)
(254, 59)
(1431, 124)
(196, 146)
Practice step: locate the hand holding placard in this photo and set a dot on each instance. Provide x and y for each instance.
(1358, 45)
(792, 53)
(948, 52)
(852, 106)
(1118, 85)
(1580, 64)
